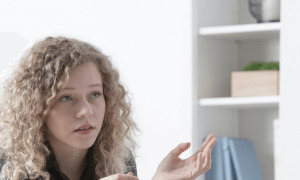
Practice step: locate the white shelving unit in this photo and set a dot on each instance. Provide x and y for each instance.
(227, 39)
(243, 32)
(241, 102)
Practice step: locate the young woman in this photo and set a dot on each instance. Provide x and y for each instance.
(64, 114)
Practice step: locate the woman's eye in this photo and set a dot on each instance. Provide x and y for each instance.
(67, 98)
(98, 94)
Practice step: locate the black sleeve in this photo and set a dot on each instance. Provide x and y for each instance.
(2, 162)
(131, 165)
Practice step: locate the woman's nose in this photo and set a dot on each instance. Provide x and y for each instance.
(84, 110)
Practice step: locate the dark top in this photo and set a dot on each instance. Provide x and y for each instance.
(88, 172)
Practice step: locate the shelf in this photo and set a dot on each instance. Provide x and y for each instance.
(243, 32)
(241, 102)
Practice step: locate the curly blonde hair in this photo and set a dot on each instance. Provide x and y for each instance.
(29, 93)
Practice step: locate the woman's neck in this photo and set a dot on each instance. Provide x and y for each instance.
(71, 161)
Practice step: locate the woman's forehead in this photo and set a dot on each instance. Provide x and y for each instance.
(89, 69)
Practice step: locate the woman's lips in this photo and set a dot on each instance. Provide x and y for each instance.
(83, 129)
(84, 132)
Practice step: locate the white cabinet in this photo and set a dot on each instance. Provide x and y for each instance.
(225, 39)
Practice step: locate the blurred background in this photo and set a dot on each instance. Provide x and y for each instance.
(194, 68)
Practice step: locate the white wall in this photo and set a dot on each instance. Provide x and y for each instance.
(290, 88)
(149, 41)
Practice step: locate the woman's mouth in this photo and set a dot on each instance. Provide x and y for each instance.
(84, 131)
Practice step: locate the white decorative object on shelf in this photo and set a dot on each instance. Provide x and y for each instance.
(265, 11)
(243, 31)
(241, 102)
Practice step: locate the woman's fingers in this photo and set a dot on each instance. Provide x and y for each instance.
(130, 173)
(200, 162)
(180, 149)
(207, 164)
(211, 144)
(207, 140)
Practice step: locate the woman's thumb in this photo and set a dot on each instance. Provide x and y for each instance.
(180, 149)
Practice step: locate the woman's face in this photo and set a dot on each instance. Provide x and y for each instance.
(80, 103)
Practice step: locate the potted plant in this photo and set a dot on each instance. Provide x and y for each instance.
(256, 79)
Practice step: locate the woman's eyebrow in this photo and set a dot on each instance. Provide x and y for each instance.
(92, 85)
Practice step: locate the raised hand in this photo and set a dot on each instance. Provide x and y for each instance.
(174, 168)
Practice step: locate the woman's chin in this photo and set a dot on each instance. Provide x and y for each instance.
(84, 145)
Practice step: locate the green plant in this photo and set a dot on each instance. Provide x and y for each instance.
(254, 66)
(259, 66)
(270, 66)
